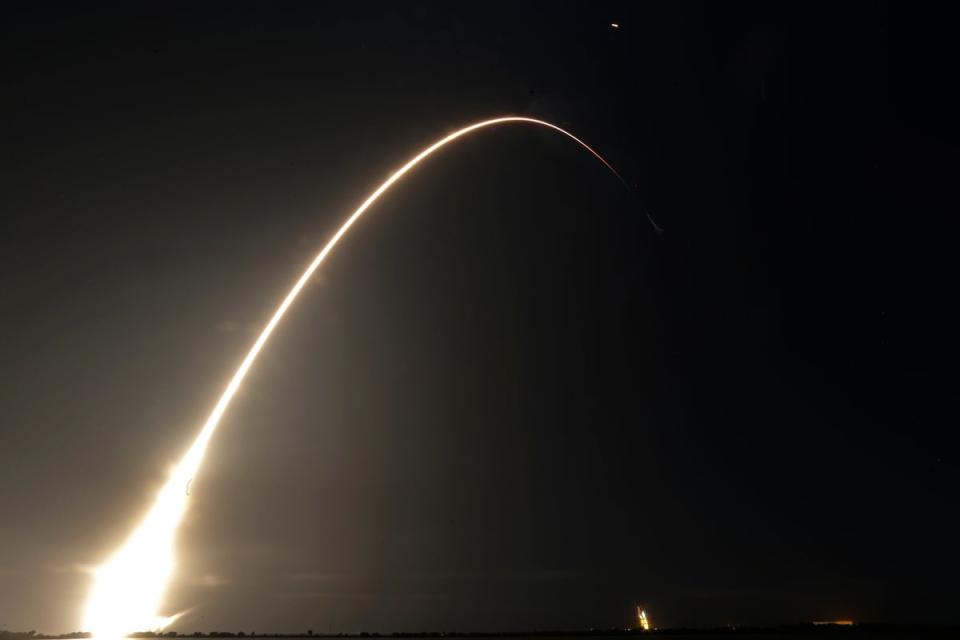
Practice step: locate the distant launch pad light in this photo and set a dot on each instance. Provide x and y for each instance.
(128, 588)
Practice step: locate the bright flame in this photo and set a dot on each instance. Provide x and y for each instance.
(642, 620)
(128, 589)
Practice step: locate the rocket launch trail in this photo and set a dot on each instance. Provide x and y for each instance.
(128, 588)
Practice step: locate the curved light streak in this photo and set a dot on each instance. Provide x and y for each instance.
(128, 588)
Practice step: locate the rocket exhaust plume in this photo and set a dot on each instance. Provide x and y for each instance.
(128, 588)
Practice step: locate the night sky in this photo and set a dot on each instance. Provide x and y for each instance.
(506, 402)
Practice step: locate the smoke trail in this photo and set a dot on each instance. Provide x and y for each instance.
(129, 587)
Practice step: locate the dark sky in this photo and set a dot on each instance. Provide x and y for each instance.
(506, 403)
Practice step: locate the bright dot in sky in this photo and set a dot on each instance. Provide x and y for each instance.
(615, 25)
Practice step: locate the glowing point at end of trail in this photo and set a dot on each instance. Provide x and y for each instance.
(128, 588)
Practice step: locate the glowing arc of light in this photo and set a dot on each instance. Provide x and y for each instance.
(218, 411)
(129, 587)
